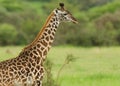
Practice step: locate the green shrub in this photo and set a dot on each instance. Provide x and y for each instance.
(98, 11)
(99, 22)
(8, 34)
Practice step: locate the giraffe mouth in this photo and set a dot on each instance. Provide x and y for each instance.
(74, 20)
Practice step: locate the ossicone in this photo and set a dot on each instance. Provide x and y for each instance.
(61, 5)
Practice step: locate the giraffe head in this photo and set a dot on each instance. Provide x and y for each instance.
(64, 15)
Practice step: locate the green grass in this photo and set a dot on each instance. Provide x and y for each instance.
(93, 67)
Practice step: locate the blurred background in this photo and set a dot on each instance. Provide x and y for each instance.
(84, 54)
(99, 22)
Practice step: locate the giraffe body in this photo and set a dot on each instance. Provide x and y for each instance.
(27, 68)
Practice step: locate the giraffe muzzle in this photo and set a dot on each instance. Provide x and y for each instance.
(74, 20)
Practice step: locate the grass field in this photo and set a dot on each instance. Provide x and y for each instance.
(93, 66)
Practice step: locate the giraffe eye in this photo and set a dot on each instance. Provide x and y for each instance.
(65, 14)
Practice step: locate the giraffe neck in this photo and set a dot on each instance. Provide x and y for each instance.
(45, 37)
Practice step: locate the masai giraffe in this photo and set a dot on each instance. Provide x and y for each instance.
(27, 68)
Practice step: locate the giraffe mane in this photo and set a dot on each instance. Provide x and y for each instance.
(40, 32)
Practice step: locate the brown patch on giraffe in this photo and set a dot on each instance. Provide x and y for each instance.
(11, 74)
(48, 48)
(31, 54)
(35, 52)
(36, 77)
(30, 60)
(31, 49)
(38, 45)
(49, 31)
(27, 69)
(29, 65)
(19, 73)
(42, 37)
(56, 19)
(47, 38)
(26, 53)
(53, 33)
(50, 43)
(41, 77)
(19, 67)
(41, 70)
(53, 19)
(38, 67)
(51, 37)
(40, 53)
(46, 30)
(11, 69)
(14, 63)
(22, 76)
(33, 64)
(41, 64)
(49, 25)
(55, 30)
(38, 60)
(32, 69)
(24, 80)
(15, 72)
(44, 43)
(34, 57)
(55, 26)
(18, 63)
(7, 80)
(23, 71)
(45, 52)
(14, 67)
(30, 74)
(34, 47)
(0, 76)
(38, 83)
(42, 48)
(45, 34)
(35, 71)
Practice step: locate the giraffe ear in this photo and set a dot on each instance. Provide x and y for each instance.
(61, 5)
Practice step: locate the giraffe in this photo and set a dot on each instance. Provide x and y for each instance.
(27, 68)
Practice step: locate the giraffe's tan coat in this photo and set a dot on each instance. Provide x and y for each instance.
(27, 68)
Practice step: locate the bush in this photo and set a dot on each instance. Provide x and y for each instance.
(108, 28)
(99, 11)
(105, 37)
(49, 80)
(99, 22)
(8, 34)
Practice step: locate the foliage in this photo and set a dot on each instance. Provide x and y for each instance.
(101, 10)
(98, 21)
(48, 80)
(8, 34)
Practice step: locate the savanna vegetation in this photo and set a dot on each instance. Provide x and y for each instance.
(94, 66)
(99, 22)
(99, 25)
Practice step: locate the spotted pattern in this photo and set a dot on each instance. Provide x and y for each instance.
(27, 68)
